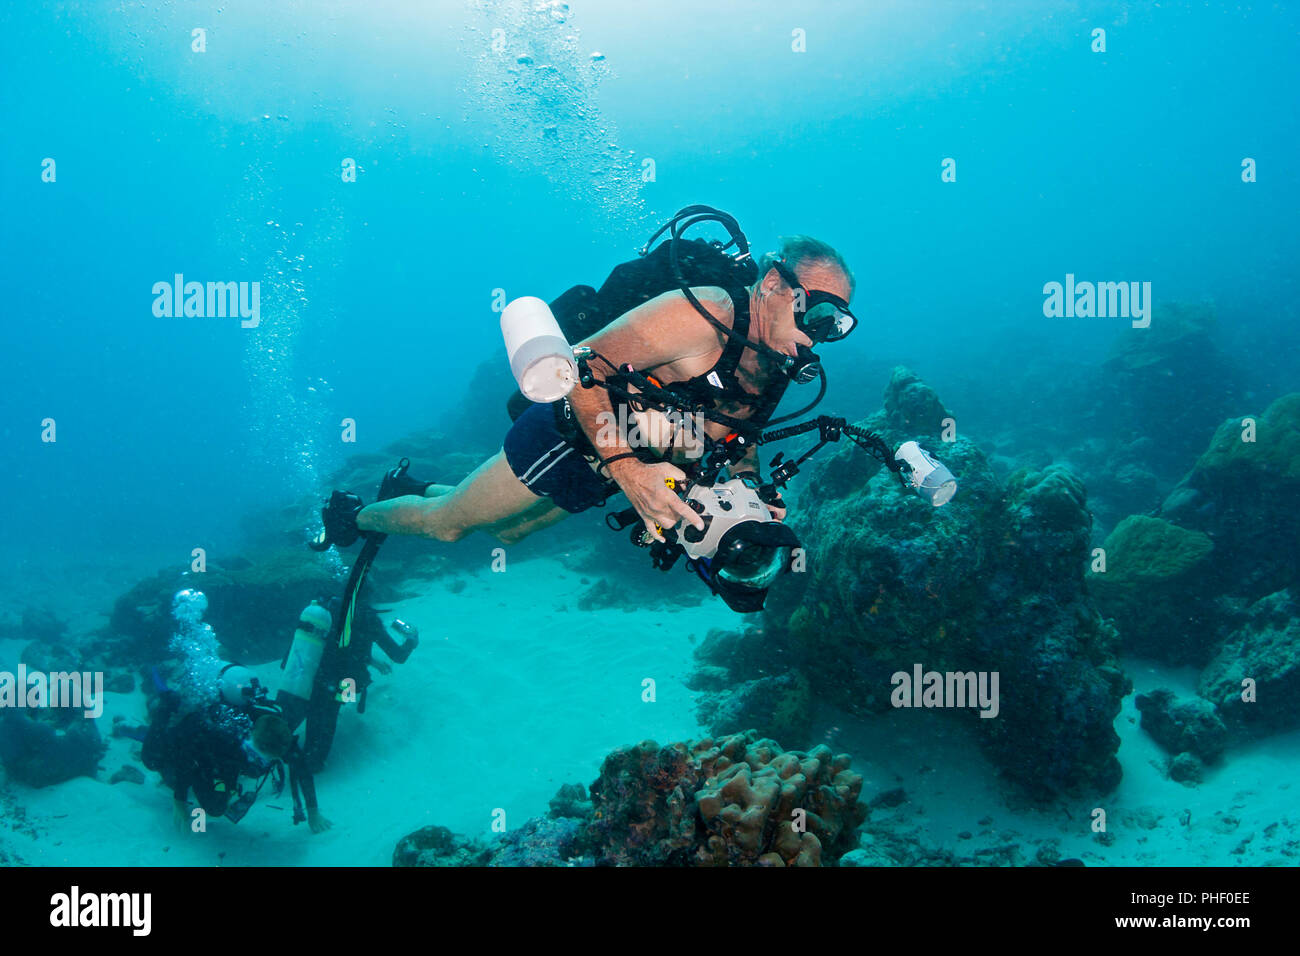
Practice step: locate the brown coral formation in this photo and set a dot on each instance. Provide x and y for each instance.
(739, 800)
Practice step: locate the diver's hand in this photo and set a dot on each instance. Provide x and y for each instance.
(339, 517)
(647, 490)
(772, 498)
(317, 821)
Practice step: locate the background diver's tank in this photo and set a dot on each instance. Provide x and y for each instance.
(298, 669)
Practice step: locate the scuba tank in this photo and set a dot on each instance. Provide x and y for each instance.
(302, 660)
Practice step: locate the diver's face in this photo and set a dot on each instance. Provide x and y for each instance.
(779, 328)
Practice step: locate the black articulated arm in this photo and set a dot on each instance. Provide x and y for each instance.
(829, 429)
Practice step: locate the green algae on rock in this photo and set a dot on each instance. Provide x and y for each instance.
(1153, 586)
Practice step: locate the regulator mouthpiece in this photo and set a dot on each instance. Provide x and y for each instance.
(805, 368)
(930, 477)
(541, 359)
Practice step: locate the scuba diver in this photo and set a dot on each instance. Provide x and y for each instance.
(683, 355)
(697, 347)
(209, 749)
(326, 665)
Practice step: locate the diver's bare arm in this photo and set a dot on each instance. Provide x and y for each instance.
(593, 410)
(664, 330)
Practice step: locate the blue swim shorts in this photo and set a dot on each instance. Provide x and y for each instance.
(551, 464)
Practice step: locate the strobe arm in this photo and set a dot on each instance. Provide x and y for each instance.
(829, 429)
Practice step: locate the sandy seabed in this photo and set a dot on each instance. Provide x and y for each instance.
(513, 693)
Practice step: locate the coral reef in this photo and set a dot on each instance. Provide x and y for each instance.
(1186, 768)
(571, 800)
(542, 841)
(733, 801)
(777, 706)
(1098, 420)
(738, 689)
(993, 581)
(1211, 580)
(736, 801)
(1171, 372)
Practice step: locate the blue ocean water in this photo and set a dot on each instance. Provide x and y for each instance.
(504, 146)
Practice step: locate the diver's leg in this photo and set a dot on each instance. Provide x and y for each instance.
(490, 494)
(543, 515)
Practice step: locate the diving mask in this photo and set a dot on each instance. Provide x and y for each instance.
(825, 317)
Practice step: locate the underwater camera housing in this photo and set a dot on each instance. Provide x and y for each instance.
(742, 548)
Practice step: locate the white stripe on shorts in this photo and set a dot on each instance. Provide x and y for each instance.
(526, 476)
(555, 461)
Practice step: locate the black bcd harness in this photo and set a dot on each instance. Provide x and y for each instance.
(583, 311)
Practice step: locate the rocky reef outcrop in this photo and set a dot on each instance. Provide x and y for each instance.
(1241, 493)
(1172, 372)
(742, 683)
(991, 582)
(1130, 426)
(1254, 680)
(1211, 579)
(438, 846)
(252, 604)
(40, 753)
(1189, 729)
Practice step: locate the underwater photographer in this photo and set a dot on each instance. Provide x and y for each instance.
(696, 346)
